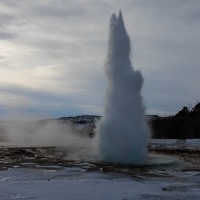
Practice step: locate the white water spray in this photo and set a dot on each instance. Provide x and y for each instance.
(122, 132)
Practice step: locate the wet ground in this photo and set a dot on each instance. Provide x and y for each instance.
(26, 172)
(43, 157)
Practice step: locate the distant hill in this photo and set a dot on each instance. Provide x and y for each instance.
(83, 124)
(184, 124)
(82, 119)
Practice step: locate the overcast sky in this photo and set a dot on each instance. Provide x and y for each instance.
(52, 54)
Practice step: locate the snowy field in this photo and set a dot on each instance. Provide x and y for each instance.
(173, 144)
(190, 142)
(85, 181)
(69, 183)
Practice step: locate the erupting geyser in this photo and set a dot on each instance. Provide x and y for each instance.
(122, 132)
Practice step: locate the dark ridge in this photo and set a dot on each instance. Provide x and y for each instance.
(183, 125)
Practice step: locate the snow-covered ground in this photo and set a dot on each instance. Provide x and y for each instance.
(87, 181)
(189, 144)
(174, 141)
(76, 184)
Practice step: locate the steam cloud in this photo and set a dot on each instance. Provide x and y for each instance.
(22, 133)
(122, 132)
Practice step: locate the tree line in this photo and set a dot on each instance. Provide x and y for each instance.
(184, 125)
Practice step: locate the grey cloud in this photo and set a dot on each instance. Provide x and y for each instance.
(33, 94)
(42, 97)
(7, 36)
(52, 11)
(6, 19)
(69, 9)
(191, 18)
(166, 46)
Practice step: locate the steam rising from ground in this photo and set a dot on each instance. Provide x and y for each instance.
(45, 133)
(122, 133)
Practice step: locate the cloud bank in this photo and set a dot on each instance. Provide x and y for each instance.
(52, 54)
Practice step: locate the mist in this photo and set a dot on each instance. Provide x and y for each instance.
(122, 132)
(20, 132)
